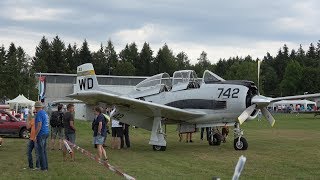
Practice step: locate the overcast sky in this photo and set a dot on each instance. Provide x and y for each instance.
(221, 28)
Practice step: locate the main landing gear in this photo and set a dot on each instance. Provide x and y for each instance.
(239, 143)
(157, 139)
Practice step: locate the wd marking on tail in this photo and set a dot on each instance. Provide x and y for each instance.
(85, 83)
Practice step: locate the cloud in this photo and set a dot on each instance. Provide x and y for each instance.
(152, 33)
(34, 14)
(221, 29)
(302, 19)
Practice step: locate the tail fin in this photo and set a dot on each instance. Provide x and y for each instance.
(86, 78)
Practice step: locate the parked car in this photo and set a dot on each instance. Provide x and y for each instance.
(12, 126)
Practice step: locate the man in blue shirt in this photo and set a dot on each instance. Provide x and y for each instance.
(99, 132)
(42, 133)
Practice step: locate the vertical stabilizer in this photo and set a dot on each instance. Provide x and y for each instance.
(86, 78)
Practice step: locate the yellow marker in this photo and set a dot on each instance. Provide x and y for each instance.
(86, 73)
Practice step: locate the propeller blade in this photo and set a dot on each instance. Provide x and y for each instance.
(268, 116)
(246, 113)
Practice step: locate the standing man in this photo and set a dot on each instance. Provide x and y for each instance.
(117, 133)
(125, 138)
(99, 132)
(202, 132)
(69, 130)
(56, 123)
(42, 134)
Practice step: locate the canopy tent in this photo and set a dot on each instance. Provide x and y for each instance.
(20, 100)
(285, 103)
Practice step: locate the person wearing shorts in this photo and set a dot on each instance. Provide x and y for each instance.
(99, 132)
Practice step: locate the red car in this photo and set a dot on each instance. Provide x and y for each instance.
(11, 126)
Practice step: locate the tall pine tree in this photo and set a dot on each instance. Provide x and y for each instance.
(42, 55)
(58, 63)
(112, 57)
(146, 59)
(99, 61)
(85, 55)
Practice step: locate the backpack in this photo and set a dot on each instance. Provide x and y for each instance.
(56, 119)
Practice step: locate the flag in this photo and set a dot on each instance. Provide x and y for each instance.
(42, 88)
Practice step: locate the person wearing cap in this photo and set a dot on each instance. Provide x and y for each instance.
(42, 134)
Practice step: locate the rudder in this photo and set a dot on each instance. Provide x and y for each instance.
(86, 78)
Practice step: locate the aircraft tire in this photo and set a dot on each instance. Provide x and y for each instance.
(159, 148)
(215, 140)
(241, 145)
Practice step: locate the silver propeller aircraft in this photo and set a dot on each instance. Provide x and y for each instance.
(183, 100)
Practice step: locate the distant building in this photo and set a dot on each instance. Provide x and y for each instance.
(58, 86)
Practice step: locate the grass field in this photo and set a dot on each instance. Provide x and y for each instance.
(290, 150)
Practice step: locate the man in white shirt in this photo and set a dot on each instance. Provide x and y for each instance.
(117, 133)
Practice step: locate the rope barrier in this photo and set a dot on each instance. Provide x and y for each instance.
(97, 159)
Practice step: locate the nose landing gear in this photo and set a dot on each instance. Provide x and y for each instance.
(239, 143)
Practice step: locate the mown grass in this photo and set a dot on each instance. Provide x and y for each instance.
(290, 150)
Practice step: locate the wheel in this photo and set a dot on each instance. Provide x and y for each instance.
(215, 140)
(240, 145)
(24, 133)
(159, 148)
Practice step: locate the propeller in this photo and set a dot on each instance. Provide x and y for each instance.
(258, 102)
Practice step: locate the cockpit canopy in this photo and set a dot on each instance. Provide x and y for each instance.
(184, 76)
(154, 81)
(184, 79)
(210, 77)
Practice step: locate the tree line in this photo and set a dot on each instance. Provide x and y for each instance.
(289, 72)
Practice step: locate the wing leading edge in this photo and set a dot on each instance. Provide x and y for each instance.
(138, 106)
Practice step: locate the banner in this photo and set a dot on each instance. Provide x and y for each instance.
(42, 88)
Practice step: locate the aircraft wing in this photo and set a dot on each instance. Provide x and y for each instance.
(138, 106)
(67, 101)
(295, 97)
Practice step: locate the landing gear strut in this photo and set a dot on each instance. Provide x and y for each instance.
(157, 139)
(240, 143)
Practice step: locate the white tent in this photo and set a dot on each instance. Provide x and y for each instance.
(20, 100)
(285, 103)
